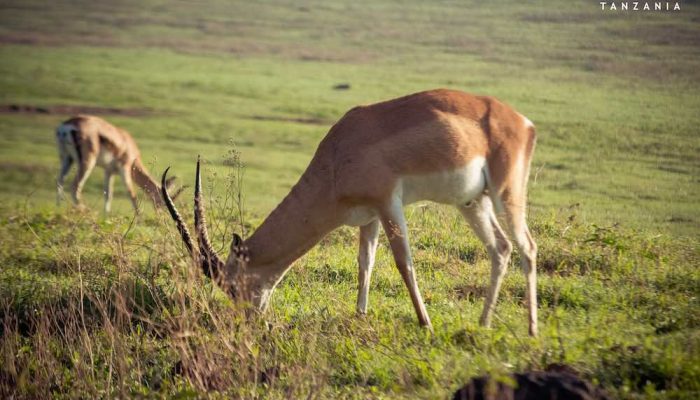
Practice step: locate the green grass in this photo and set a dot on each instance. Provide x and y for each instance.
(100, 307)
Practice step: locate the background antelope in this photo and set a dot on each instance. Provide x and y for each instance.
(446, 146)
(89, 141)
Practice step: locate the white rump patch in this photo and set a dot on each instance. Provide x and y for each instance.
(64, 140)
(63, 133)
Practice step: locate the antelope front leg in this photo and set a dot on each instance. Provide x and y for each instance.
(394, 224)
(125, 172)
(369, 235)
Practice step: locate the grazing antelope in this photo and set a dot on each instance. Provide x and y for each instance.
(446, 146)
(89, 141)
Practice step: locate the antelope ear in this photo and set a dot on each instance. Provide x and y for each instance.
(236, 243)
(239, 250)
(169, 181)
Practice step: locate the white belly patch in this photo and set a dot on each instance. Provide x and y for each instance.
(360, 215)
(105, 158)
(455, 187)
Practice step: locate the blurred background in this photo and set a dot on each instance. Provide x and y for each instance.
(613, 94)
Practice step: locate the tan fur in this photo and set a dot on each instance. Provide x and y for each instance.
(89, 141)
(363, 160)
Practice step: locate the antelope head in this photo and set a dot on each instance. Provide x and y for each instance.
(226, 274)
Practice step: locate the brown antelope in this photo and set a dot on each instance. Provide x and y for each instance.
(89, 141)
(446, 146)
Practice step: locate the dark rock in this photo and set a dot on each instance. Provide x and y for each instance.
(558, 383)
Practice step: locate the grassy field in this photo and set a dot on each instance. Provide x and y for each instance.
(96, 306)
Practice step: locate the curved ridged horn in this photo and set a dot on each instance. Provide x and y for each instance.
(181, 227)
(211, 262)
